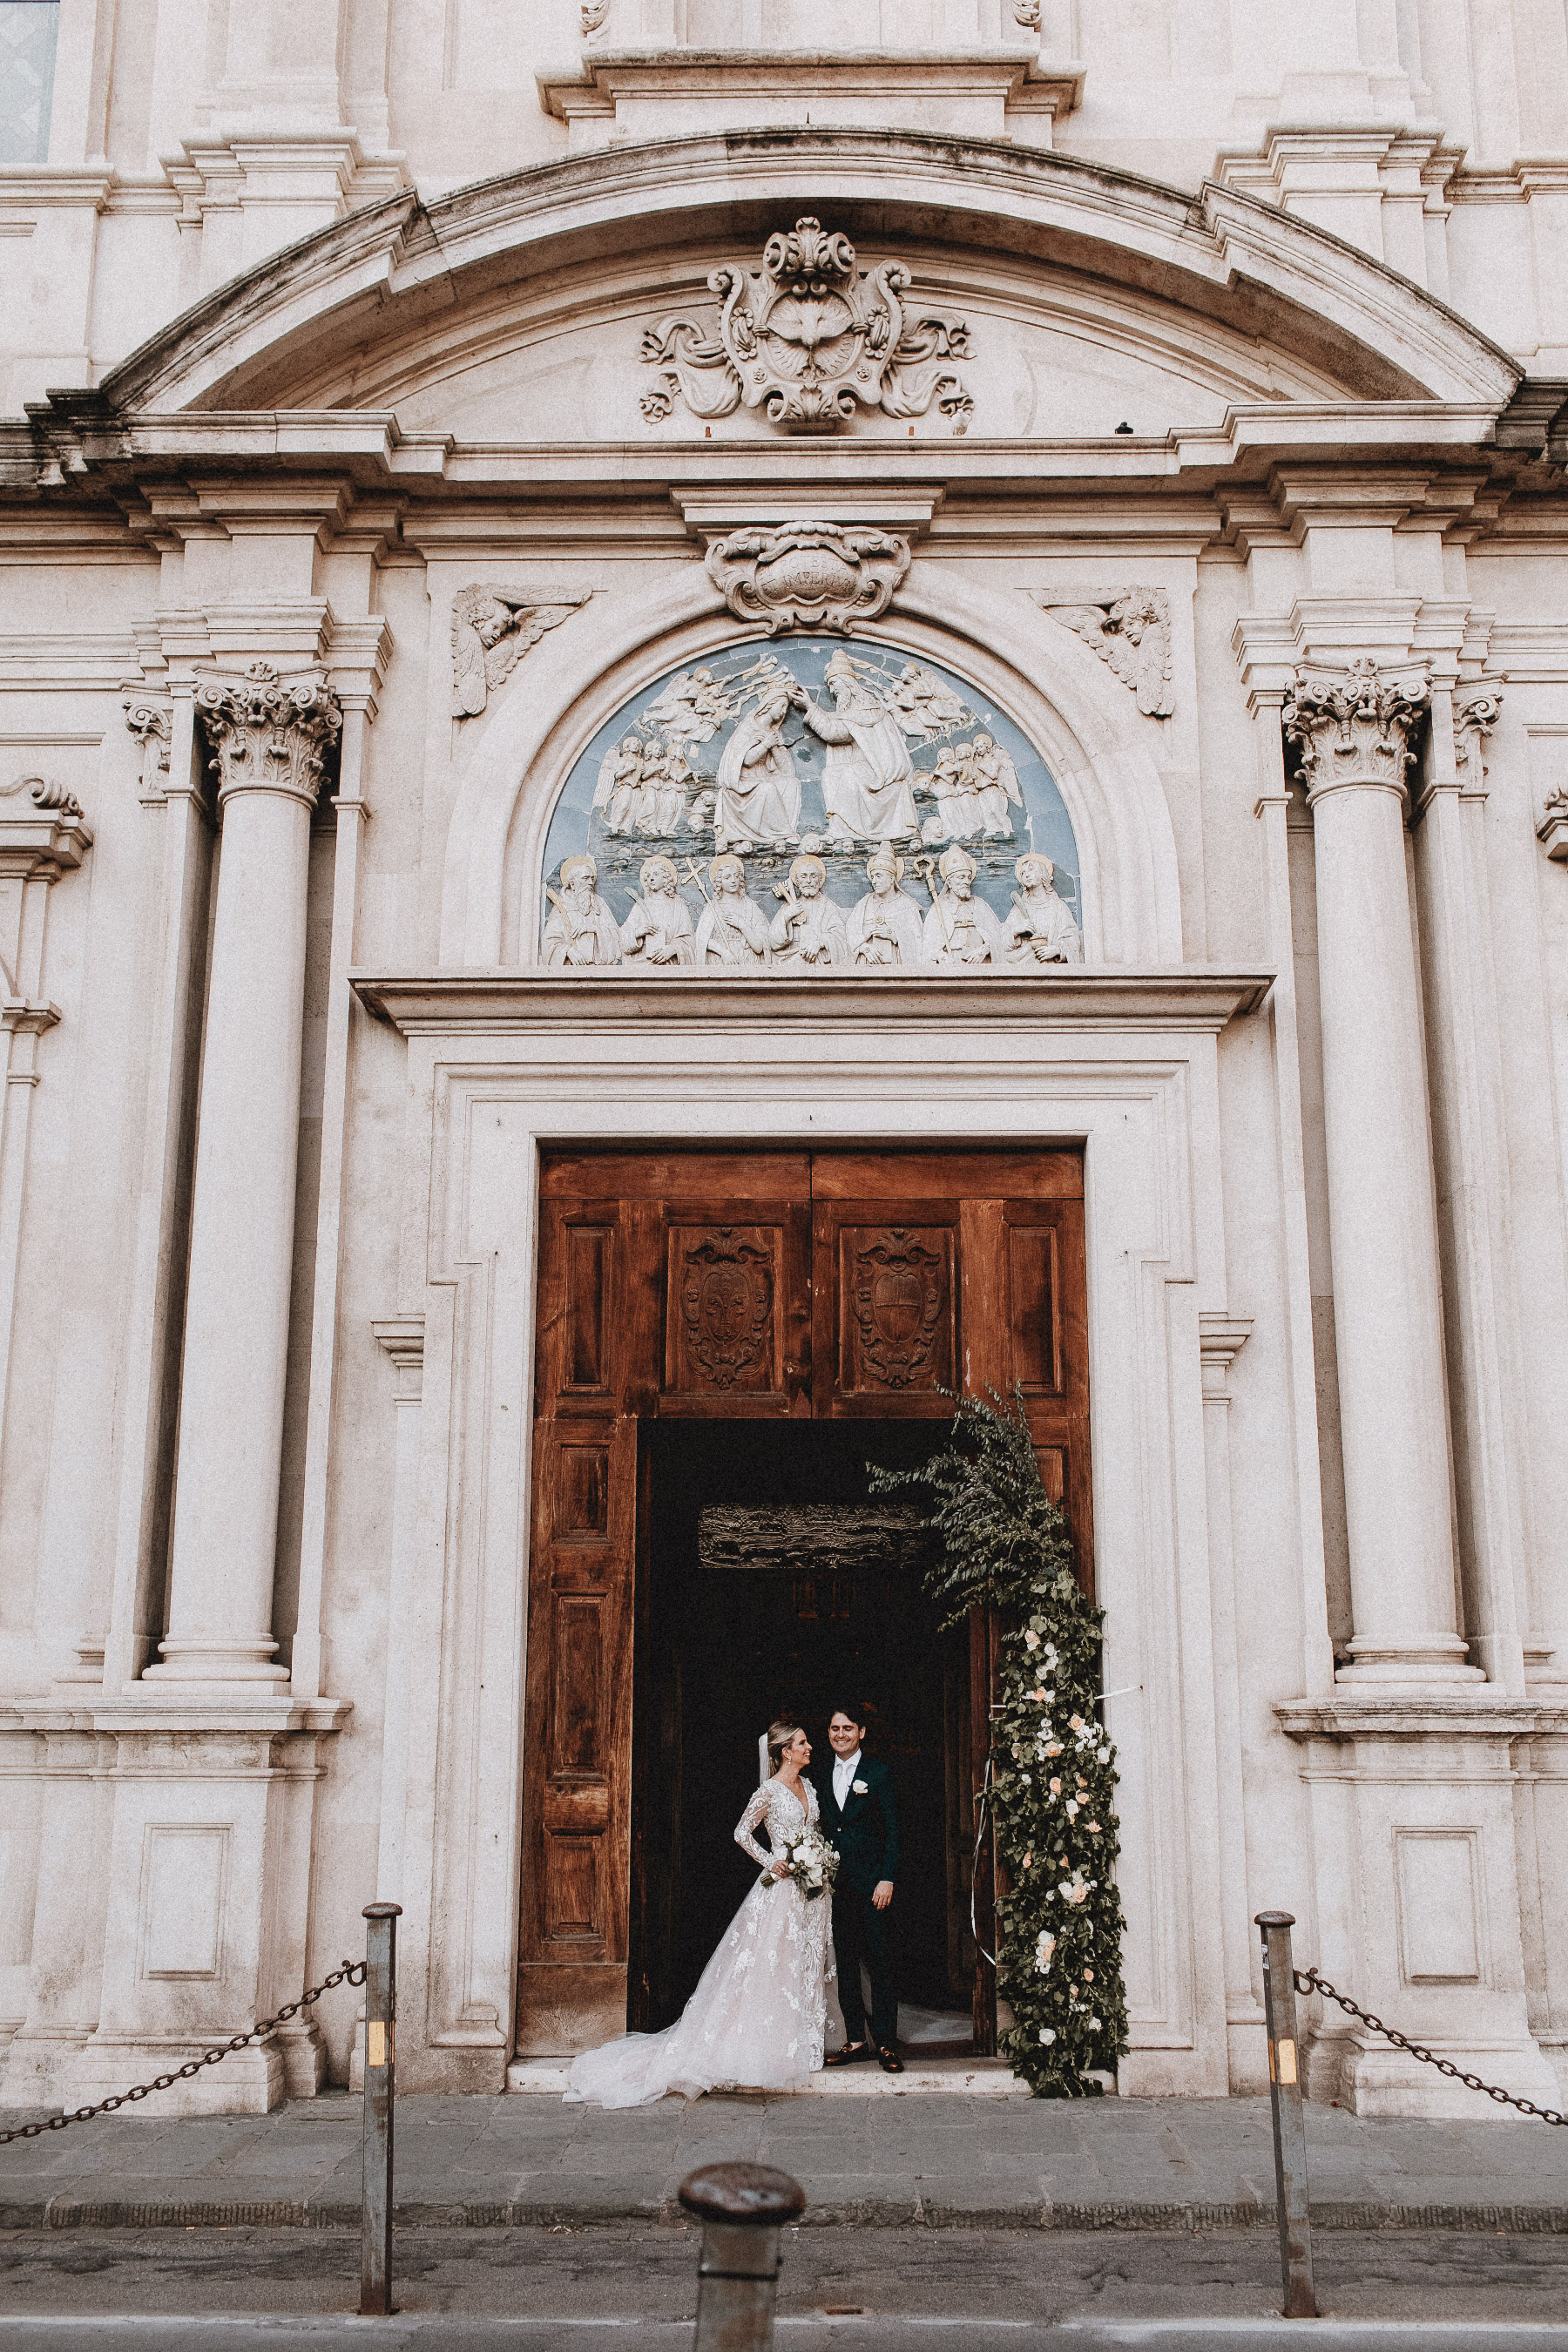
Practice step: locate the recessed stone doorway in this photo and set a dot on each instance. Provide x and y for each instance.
(738, 1332)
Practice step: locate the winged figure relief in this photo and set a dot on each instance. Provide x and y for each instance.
(491, 629)
(690, 710)
(1131, 634)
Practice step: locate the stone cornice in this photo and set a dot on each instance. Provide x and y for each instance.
(1484, 1712)
(1191, 998)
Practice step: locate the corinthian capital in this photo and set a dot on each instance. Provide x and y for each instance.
(268, 733)
(1353, 727)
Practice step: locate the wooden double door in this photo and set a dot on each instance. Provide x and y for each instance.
(677, 1286)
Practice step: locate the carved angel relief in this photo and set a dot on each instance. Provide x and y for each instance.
(492, 628)
(1131, 634)
(809, 339)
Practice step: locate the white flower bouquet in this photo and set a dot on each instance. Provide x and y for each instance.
(811, 1862)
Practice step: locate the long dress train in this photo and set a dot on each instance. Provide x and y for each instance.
(756, 2019)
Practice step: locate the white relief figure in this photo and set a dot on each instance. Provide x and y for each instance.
(960, 805)
(925, 707)
(869, 777)
(659, 929)
(994, 783)
(757, 797)
(580, 931)
(808, 928)
(619, 784)
(661, 800)
(690, 710)
(885, 926)
(960, 930)
(1041, 927)
(733, 930)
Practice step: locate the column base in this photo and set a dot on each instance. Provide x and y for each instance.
(1369, 2077)
(247, 2083)
(1415, 1665)
(212, 1662)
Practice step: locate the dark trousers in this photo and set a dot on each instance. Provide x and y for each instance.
(860, 1933)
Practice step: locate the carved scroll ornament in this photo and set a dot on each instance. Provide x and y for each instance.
(1131, 634)
(810, 338)
(492, 628)
(270, 733)
(808, 575)
(1353, 727)
(1476, 710)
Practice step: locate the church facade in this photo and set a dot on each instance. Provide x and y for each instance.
(716, 715)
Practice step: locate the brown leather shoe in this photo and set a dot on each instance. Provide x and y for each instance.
(851, 2052)
(889, 2061)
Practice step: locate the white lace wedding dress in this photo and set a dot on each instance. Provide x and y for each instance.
(756, 2021)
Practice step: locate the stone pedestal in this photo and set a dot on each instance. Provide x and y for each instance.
(1413, 1811)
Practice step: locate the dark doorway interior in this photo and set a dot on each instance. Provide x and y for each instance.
(770, 1583)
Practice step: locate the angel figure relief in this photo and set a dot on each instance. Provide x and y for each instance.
(1131, 634)
(810, 338)
(491, 629)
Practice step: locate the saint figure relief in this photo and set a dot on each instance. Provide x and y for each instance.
(1041, 927)
(732, 929)
(758, 795)
(884, 926)
(659, 929)
(581, 931)
(960, 930)
(808, 928)
(867, 785)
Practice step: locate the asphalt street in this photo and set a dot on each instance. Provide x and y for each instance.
(875, 2290)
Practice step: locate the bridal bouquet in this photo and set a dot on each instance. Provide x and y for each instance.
(813, 1863)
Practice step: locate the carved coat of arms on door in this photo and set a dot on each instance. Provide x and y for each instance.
(726, 1305)
(899, 1294)
(809, 339)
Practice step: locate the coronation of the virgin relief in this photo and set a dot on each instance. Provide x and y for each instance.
(708, 718)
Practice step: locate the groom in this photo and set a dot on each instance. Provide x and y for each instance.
(860, 1817)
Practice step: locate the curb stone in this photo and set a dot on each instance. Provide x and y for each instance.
(915, 2209)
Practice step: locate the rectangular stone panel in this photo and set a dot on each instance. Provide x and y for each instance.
(184, 1874)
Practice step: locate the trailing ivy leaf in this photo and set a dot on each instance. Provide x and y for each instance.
(1004, 1544)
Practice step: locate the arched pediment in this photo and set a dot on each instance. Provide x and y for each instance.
(485, 312)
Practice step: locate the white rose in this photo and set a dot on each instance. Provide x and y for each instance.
(859, 1788)
(1047, 2033)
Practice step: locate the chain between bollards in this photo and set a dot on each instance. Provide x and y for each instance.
(1301, 2301)
(742, 2208)
(380, 2091)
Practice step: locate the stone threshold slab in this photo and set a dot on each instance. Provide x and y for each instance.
(985, 2078)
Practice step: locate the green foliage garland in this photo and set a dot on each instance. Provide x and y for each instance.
(1053, 1769)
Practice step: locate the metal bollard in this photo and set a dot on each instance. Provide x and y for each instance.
(379, 2021)
(1289, 2126)
(741, 2207)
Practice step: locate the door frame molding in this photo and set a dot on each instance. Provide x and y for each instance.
(500, 1067)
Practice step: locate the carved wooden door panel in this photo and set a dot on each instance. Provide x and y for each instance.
(675, 1284)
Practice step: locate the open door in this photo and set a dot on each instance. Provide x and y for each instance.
(748, 1286)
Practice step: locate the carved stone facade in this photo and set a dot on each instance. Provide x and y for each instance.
(701, 726)
(809, 340)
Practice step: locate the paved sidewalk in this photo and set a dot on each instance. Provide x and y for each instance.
(937, 2159)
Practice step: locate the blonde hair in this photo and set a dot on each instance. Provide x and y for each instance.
(781, 1737)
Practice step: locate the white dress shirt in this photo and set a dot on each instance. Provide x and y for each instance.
(844, 1770)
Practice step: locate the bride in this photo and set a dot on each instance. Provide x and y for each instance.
(755, 2021)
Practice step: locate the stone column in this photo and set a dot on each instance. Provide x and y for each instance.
(268, 735)
(1354, 732)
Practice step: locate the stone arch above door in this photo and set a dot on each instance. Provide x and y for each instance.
(1081, 721)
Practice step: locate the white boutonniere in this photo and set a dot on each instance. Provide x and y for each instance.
(859, 1788)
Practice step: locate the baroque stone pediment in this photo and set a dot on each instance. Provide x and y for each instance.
(811, 337)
